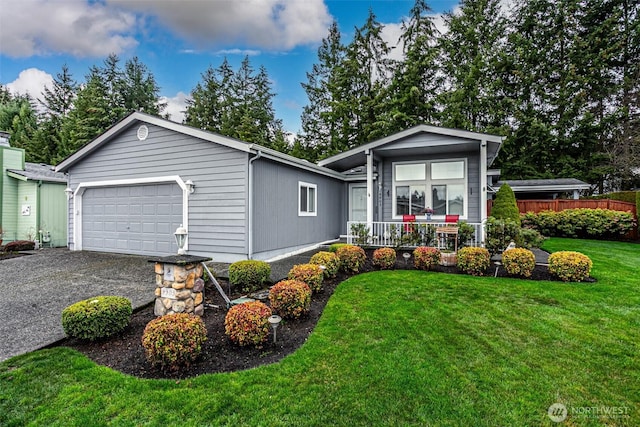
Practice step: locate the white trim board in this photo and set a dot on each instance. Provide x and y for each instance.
(83, 186)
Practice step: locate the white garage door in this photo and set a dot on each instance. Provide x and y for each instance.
(138, 219)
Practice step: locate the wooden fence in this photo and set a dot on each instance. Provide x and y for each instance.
(557, 205)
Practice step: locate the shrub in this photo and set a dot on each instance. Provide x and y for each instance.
(500, 232)
(20, 245)
(505, 205)
(465, 233)
(519, 262)
(250, 275)
(529, 238)
(335, 246)
(311, 274)
(248, 323)
(330, 260)
(174, 340)
(352, 258)
(570, 266)
(384, 258)
(97, 317)
(425, 257)
(290, 298)
(474, 261)
(581, 223)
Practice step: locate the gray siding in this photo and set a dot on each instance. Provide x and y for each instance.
(473, 190)
(217, 209)
(277, 225)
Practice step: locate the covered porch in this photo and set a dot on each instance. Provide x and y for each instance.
(425, 169)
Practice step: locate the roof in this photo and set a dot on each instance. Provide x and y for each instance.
(134, 117)
(357, 156)
(37, 172)
(556, 184)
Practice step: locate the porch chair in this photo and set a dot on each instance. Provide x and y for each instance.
(449, 231)
(407, 221)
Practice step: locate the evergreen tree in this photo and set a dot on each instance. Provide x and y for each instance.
(417, 80)
(472, 50)
(18, 117)
(57, 102)
(362, 80)
(139, 89)
(205, 106)
(505, 205)
(320, 127)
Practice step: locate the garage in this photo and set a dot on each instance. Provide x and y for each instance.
(133, 219)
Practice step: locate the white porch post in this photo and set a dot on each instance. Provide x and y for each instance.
(483, 185)
(369, 155)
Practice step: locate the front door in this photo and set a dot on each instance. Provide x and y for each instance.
(358, 202)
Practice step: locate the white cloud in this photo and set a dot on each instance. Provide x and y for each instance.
(40, 27)
(31, 81)
(243, 52)
(176, 106)
(269, 24)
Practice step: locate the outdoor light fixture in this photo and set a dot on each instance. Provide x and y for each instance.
(274, 321)
(181, 239)
(406, 257)
(191, 187)
(69, 192)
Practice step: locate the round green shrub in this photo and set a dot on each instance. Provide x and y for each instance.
(290, 298)
(384, 258)
(248, 323)
(505, 205)
(570, 266)
(174, 340)
(474, 261)
(426, 257)
(330, 261)
(519, 262)
(311, 274)
(249, 275)
(352, 258)
(97, 317)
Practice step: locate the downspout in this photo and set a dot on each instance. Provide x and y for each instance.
(38, 209)
(250, 207)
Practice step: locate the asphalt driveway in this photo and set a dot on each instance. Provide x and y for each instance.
(35, 289)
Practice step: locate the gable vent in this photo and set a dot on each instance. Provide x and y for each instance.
(143, 132)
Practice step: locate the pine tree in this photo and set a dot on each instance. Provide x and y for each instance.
(417, 80)
(320, 137)
(139, 89)
(18, 117)
(472, 50)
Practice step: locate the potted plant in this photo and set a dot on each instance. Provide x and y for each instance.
(427, 213)
(448, 258)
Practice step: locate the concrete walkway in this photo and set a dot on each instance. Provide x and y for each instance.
(36, 288)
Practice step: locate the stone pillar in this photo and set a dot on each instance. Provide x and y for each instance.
(179, 285)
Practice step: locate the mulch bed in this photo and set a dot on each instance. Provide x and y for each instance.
(124, 352)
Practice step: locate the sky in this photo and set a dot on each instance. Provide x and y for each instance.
(178, 40)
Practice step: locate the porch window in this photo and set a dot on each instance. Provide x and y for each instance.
(307, 199)
(440, 185)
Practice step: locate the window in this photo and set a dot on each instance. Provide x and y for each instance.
(307, 199)
(445, 180)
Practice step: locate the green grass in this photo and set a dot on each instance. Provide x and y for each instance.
(392, 348)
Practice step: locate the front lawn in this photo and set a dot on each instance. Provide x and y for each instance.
(392, 348)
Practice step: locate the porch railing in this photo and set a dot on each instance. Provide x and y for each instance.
(411, 234)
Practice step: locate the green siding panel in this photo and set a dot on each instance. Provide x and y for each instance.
(10, 158)
(53, 212)
(27, 210)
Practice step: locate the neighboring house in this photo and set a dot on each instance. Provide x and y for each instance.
(33, 199)
(530, 189)
(131, 189)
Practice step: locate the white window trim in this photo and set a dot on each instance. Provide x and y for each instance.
(428, 182)
(308, 185)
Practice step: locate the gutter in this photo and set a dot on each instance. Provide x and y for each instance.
(250, 207)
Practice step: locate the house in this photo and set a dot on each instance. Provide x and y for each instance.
(141, 179)
(33, 199)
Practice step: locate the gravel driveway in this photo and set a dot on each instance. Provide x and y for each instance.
(35, 289)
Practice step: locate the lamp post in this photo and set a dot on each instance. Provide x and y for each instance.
(274, 321)
(181, 239)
